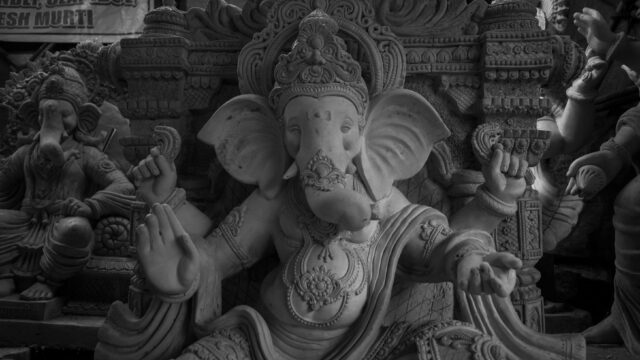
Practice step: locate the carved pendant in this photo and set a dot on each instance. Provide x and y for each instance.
(319, 286)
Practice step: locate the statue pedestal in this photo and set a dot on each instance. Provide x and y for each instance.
(81, 331)
(11, 307)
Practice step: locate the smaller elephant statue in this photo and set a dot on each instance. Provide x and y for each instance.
(48, 197)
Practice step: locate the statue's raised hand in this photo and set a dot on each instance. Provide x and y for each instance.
(593, 26)
(504, 175)
(155, 178)
(593, 74)
(592, 172)
(168, 256)
(494, 273)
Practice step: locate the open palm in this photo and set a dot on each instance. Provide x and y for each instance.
(168, 256)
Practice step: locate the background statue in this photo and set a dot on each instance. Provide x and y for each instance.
(571, 129)
(326, 205)
(592, 172)
(48, 195)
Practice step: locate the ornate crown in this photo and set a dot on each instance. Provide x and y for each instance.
(318, 65)
(64, 83)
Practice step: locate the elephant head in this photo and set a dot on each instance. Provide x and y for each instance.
(318, 124)
(61, 109)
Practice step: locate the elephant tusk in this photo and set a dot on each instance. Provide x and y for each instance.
(291, 172)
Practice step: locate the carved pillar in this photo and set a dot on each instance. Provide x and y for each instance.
(519, 59)
(521, 235)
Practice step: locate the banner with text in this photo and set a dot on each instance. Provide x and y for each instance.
(71, 20)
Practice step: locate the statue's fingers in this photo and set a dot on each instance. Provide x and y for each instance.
(524, 165)
(496, 157)
(176, 225)
(189, 248)
(514, 166)
(161, 161)
(143, 169)
(631, 74)
(498, 287)
(575, 166)
(503, 260)
(462, 277)
(165, 226)
(475, 282)
(595, 14)
(152, 167)
(570, 186)
(137, 175)
(155, 240)
(144, 244)
(575, 189)
(486, 273)
(506, 161)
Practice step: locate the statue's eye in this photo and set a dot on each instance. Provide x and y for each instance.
(346, 126)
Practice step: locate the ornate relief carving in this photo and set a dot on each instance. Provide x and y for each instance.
(228, 230)
(430, 18)
(318, 286)
(322, 174)
(379, 47)
(112, 237)
(168, 140)
(223, 21)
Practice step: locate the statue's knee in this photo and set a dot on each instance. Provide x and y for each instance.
(75, 232)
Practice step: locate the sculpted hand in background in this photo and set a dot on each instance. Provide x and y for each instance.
(504, 175)
(590, 173)
(488, 274)
(478, 273)
(155, 177)
(168, 256)
(593, 26)
(74, 207)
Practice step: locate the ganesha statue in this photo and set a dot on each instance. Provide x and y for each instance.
(324, 157)
(52, 189)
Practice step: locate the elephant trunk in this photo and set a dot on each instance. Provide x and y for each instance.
(326, 192)
(51, 133)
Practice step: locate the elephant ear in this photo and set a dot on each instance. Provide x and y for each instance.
(88, 117)
(28, 112)
(248, 142)
(401, 130)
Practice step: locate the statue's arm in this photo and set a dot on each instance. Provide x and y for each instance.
(432, 251)
(243, 237)
(11, 175)
(574, 126)
(116, 190)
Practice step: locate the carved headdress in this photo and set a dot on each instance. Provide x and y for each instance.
(318, 65)
(64, 83)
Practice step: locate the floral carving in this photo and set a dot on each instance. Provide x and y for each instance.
(319, 287)
(322, 174)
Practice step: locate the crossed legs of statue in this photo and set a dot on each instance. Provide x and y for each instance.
(624, 322)
(67, 248)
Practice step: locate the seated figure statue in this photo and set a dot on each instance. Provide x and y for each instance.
(592, 172)
(48, 192)
(324, 160)
(571, 128)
